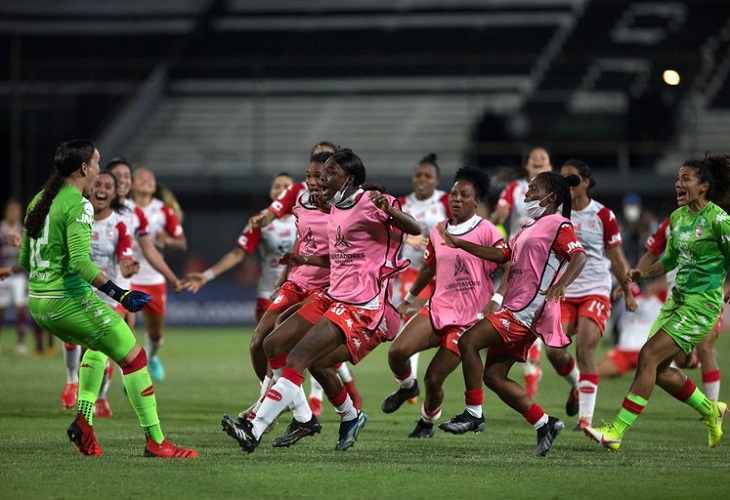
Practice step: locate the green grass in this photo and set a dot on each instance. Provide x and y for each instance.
(665, 454)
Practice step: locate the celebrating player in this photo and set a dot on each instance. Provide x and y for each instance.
(530, 308)
(699, 248)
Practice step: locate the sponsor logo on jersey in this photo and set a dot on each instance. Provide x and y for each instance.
(309, 241)
(340, 240)
(460, 267)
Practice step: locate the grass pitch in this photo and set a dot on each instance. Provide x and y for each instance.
(665, 454)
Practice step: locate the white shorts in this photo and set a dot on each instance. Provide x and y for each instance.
(14, 291)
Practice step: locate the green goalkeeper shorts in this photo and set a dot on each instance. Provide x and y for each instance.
(84, 320)
(687, 321)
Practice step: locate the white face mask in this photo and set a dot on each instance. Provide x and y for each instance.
(533, 208)
(340, 193)
(632, 213)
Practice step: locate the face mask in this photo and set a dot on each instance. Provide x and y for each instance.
(632, 213)
(340, 193)
(534, 210)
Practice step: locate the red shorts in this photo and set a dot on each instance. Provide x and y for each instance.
(262, 305)
(288, 295)
(623, 360)
(448, 335)
(406, 280)
(597, 308)
(353, 321)
(517, 337)
(158, 305)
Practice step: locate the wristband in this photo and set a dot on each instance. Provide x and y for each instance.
(209, 274)
(112, 290)
(409, 298)
(498, 298)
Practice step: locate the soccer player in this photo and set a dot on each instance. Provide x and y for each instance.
(166, 232)
(530, 308)
(463, 289)
(704, 353)
(137, 226)
(346, 322)
(428, 206)
(587, 303)
(111, 251)
(699, 248)
(56, 251)
(14, 290)
(511, 203)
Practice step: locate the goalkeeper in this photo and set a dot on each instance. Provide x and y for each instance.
(56, 251)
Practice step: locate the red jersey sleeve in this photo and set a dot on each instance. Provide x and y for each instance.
(657, 242)
(143, 227)
(445, 202)
(567, 244)
(124, 242)
(172, 225)
(507, 197)
(285, 202)
(249, 239)
(506, 250)
(429, 255)
(611, 232)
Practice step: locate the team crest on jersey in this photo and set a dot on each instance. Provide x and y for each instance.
(340, 240)
(699, 231)
(460, 267)
(309, 241)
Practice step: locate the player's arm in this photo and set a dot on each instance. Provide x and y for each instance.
(424, 277)
(504, 206)
(173, 236)
(619, 268)
(568, 246)
(8, 271)
(400, 219)
(78, 241)
(154, 257)
(499, 253)
(195, 281)
(125, 255)
(296, 259)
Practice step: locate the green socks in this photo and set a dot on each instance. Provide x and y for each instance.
(141, 395)
(699, 402)
(631, 408)
(91, 373)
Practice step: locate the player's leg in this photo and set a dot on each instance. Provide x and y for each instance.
(444, 362)
(72, 360)
(587, 339)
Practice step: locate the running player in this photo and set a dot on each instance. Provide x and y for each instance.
(530, 308)
(704, 354)
(699, 248)
(56, 251)
(511, 203)
(137, 226)
(166, 232)
(587, 303)
(428, 206)
(346, 323)
(463, 289)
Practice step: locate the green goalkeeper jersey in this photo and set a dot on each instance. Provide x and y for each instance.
(59, 259)
(699, 247)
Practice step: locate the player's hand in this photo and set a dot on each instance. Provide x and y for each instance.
(134, 300)
(449, 239)
(178, 285)
(726, 295)
(418, 241)
(14, 239)
(193, 282)
(292, 258)
(631, 305)
(380, 200)
(555, 292)
(261, 220)
(128, 267)
(403, 308)
(617, 292)
(492, 307)
(5, 272)
(634, 275)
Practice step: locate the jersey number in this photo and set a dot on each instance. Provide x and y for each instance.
(36, 261)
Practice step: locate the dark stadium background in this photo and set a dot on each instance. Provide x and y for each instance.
(217, 95)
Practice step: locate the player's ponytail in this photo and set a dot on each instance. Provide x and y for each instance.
(69, 157)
